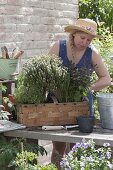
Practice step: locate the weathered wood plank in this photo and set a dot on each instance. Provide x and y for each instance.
(100, 136)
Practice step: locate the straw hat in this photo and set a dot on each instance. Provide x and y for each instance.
(86, 25)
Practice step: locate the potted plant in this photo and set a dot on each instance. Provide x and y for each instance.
(45, 77)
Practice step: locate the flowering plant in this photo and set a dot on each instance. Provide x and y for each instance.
(87, 156)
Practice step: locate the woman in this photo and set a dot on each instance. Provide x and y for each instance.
(79, 51)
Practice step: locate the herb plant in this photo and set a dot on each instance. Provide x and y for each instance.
(45, 73)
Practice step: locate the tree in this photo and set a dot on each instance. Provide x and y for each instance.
(99, 10)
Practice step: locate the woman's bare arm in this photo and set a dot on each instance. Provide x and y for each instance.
(104, 79)
(55, 49)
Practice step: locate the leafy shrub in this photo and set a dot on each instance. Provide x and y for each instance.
(105, 47)
(99, 10)
(29, 161)
(9, 150)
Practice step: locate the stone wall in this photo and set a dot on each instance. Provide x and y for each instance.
(33, 25)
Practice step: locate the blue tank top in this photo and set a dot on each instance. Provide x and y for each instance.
(85, 62)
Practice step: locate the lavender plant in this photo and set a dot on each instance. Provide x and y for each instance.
(87, 156)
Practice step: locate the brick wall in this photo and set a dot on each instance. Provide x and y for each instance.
(33, 25)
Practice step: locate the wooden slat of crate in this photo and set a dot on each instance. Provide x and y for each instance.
(51, 114)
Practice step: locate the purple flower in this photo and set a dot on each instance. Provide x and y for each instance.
(86, 155)
(86, 145)
(77, 145)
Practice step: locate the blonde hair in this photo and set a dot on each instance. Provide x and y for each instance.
(71, 42)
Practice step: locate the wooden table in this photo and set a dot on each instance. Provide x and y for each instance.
(99, 135)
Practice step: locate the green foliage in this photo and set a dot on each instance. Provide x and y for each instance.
(3, 88)
(7, 153)
(29, 161)
(26, 160)
(9, 104)
(99, 10)
(42, 74)
(105, 48)
(47, 167)
(80, 80)
(9, 150)
(105, 44)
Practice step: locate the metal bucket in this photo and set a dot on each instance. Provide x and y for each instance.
(105, 107)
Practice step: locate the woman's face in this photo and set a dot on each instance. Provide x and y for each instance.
(82, 40)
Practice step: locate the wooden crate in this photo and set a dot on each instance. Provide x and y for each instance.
(51, 114)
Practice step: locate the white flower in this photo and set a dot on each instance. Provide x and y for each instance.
(108, 154)
(110, 165)
(82, 164)
(106, 144)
